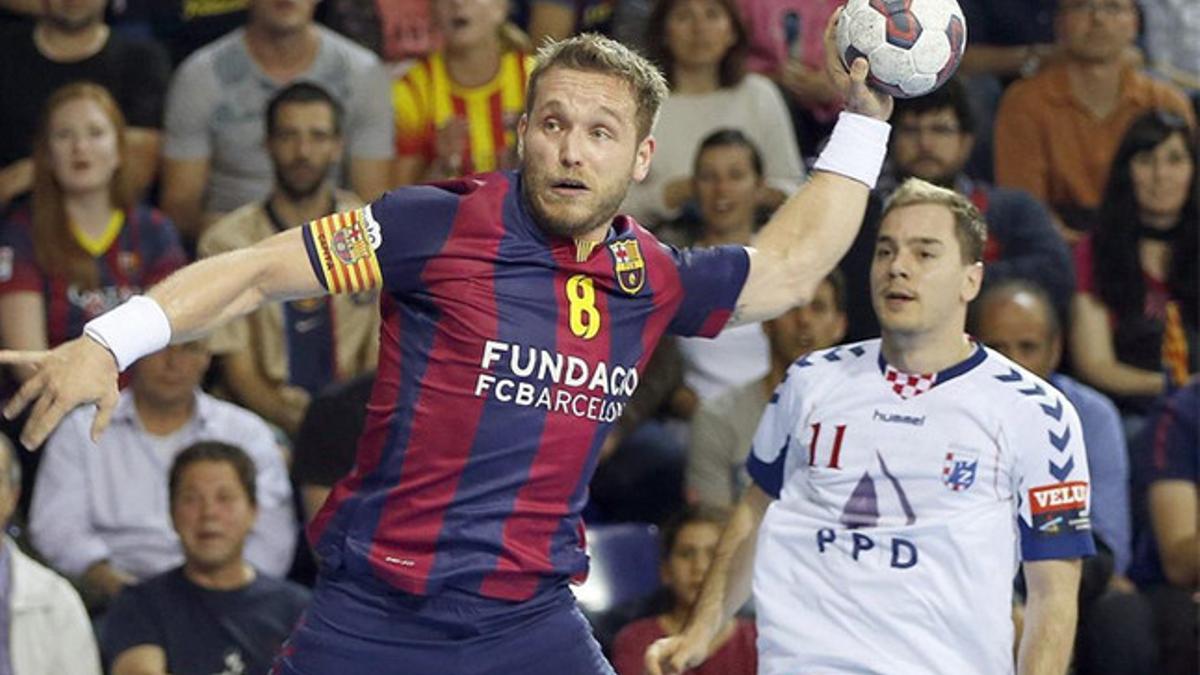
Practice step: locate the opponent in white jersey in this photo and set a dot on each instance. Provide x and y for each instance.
(905, 478)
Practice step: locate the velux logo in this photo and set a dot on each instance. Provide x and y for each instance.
(1063, 497)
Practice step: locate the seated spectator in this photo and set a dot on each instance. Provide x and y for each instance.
(560, 19)
(275, 359)
(723, 427)
(1135, 315)
(1056, 132)
(215, 156)
(457, 110)
(701, 47)
(182, 26)
(47, 629)
(689, 543)
(89, 524)
(1115, 637)
(215, 613)
(1166, 489)
(69, 42)
(325, 447)
(727, 180)
(931, 139)
(787, 44)
(81, 244)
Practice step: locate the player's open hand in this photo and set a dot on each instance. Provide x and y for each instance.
(859, 96)
(75, 373)
(675, 654)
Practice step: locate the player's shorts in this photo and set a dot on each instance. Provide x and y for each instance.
(354, 626)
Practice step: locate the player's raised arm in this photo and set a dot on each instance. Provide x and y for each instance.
(726, 588)
(813, 229)
(189, 303)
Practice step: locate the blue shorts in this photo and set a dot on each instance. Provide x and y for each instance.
(356, 625)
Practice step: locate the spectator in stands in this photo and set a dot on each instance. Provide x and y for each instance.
(1056, 132)
(215, 613)
(277, 358)
(1135, 316)
(787, 45)
(81, 244)
(69, 42)
(727, 181)
(92, 527)
(1115, 635)
(182, 26)
(701, 47)
(932, 138)
(559, 19)
(457, 110)
(215, 155)
(689, 543)
(1166, 480)
(46, 626)
(724, 427)
(325, 446)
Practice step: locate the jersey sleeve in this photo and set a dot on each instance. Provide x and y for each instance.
(382, 245)
(1051, 476)
(773, 439)
(712, 280)
(410, 105)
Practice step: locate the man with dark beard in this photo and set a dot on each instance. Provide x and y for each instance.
(277, 358)
(517, 312)
(932, 141)
(68, 42)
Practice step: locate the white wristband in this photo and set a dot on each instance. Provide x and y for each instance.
(135, 329)
(856, 148)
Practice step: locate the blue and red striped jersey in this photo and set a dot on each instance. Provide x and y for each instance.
(144, 250)
(505, 356)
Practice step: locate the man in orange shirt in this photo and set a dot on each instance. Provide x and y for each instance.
(1056, 132)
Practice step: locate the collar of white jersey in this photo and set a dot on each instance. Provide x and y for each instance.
(914, 384)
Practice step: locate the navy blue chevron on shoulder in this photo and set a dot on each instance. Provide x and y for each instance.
(1013, 375)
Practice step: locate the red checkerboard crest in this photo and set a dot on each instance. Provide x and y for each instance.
(908, 386)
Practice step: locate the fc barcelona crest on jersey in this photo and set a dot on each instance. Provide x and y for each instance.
(959, 470)
(628, 265)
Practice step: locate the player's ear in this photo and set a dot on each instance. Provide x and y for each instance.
(641, 159)
(522, 125)
(972, 281)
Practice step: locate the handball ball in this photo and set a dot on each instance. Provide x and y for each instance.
(913, 46)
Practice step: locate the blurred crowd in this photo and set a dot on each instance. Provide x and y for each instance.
(137, 135)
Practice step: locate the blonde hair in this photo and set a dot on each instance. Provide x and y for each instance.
(597, 54)
(969, 227)
(55, 247)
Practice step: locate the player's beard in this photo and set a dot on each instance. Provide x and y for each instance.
(604, 205)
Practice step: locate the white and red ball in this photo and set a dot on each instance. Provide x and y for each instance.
(913, 46)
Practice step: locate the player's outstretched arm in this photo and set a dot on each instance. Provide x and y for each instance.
(1051, 609)
(813, 229)
(726, 588)
(194, 300)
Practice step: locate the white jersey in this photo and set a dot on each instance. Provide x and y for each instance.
(904, 504)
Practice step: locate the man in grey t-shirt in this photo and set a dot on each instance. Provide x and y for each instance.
(215, 157)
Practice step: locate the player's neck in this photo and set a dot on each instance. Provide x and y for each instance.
(282, 56)
(299, 211)
(230, 577)
(474, 65)
(67, 46)
(89, 211)
(925, 353)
